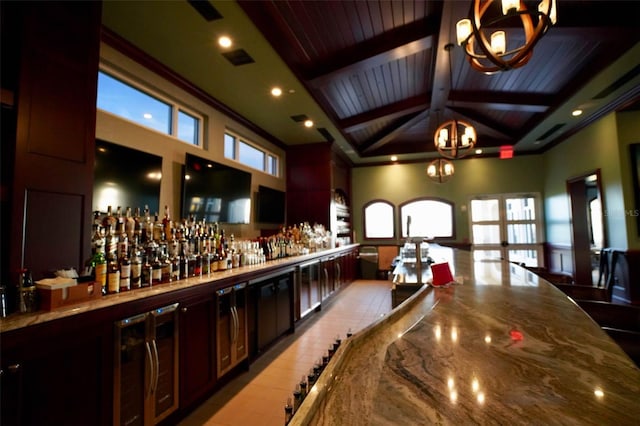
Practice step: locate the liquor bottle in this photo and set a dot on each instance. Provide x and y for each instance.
(136, 264)
(130, 224)
(165, 262)
(125, 270)
(175, 257)
(137, 224)
(113, 273)
(156, 265)
(147, 226)
(197, 267)
(100, 269)
(222, 255)
(97, 242)
(147, 269)
(109, 219)
(167, 224)
(184, 255)
(158, 229)
(124, 262)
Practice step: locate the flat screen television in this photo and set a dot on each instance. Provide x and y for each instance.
(270, 205)
(215, 192)
(125, 177)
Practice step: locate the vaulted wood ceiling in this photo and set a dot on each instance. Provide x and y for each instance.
(380, 72)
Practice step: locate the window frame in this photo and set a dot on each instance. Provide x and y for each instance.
(175, 107)
(267, 154)
(452, 204)
(393, 219)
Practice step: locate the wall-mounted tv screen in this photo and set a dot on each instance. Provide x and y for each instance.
(270, 205)
(125, 177)
(215, 192)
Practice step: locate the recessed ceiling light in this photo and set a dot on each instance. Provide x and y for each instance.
(394, 158)
(225, 42)
(147, 115)
(276, 91)
(308, 123)
(576, 112)
(478, 151)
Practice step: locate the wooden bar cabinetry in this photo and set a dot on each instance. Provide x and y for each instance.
(59, 367)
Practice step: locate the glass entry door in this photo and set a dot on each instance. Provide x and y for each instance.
(507, 226)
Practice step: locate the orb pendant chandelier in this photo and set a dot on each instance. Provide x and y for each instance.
(440, 170)
(493, 53)
(455, 139)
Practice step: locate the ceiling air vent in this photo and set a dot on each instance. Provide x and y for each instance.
(324, 132)
(238, 57)
(551, 131)
(206, 9)
(618, 83)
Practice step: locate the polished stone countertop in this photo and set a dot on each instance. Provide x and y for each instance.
(502, 346)
(17, 320)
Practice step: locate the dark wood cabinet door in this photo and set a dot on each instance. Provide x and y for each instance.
(56, 381)
(197, 349)
(225, 328)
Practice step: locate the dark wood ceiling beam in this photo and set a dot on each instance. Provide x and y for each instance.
(395, 44)
(387, 112)
(503, 101)
(393, 134)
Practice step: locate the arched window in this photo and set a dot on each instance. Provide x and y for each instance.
(427, 217)
(378, 219)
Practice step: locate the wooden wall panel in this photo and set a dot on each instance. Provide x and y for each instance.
(55, 135)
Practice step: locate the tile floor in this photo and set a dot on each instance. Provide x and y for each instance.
(258, 396)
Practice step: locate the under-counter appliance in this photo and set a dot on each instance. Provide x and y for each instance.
(232, 326)
(146, 367)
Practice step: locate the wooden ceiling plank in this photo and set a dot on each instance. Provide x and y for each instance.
(394, 40)
(398, 109)
(393, 134)
(373, 61)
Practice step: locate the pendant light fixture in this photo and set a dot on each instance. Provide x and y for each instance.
(440, 170)
(454, 138)
(493, 53)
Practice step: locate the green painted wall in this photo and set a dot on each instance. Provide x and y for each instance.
(628, 133)
(399, 183)
(604, 145)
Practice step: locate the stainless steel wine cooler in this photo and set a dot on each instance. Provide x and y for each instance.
(146, 367)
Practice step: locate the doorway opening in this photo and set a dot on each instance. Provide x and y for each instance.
(587, 225)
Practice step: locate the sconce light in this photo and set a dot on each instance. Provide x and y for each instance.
(493, 54)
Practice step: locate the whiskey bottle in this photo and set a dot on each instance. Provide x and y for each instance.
(129, 224)
(136, 264)
(113, 273)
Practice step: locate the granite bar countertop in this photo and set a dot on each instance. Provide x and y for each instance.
(501, 347)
